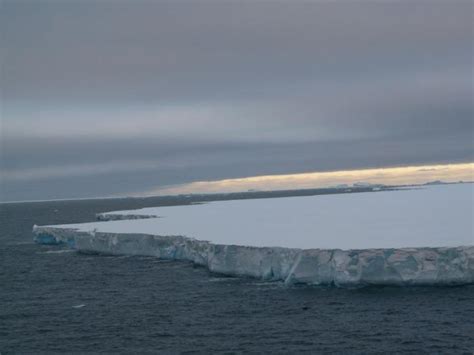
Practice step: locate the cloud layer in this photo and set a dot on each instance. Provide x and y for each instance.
(129, 96)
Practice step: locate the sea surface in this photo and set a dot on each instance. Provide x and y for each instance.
(53, 300)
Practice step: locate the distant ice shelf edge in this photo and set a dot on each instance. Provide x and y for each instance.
(342, 268)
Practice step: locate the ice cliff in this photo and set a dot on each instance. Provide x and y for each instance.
(404, 266)
(408, 237)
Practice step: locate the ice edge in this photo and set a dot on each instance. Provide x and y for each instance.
(342, 268)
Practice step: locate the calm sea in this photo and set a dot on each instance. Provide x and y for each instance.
(55, 300)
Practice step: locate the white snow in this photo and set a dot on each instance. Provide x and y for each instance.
(432, 216)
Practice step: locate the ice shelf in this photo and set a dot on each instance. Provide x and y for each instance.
(421, 236)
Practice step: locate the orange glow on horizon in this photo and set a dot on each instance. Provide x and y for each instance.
(388, 176)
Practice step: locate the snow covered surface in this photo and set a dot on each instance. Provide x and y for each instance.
(408, 237)
(432, 216)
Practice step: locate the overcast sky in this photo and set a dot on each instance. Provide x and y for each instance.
(112, 97)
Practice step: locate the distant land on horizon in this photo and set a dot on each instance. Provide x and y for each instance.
(252, 194)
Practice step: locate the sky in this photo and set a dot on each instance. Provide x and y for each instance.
(120, 98)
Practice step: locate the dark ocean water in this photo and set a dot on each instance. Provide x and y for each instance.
(55, 300)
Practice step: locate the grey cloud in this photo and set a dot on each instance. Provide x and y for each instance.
(162, 51)
(435, 103)
(105, 97)
(149, 164)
